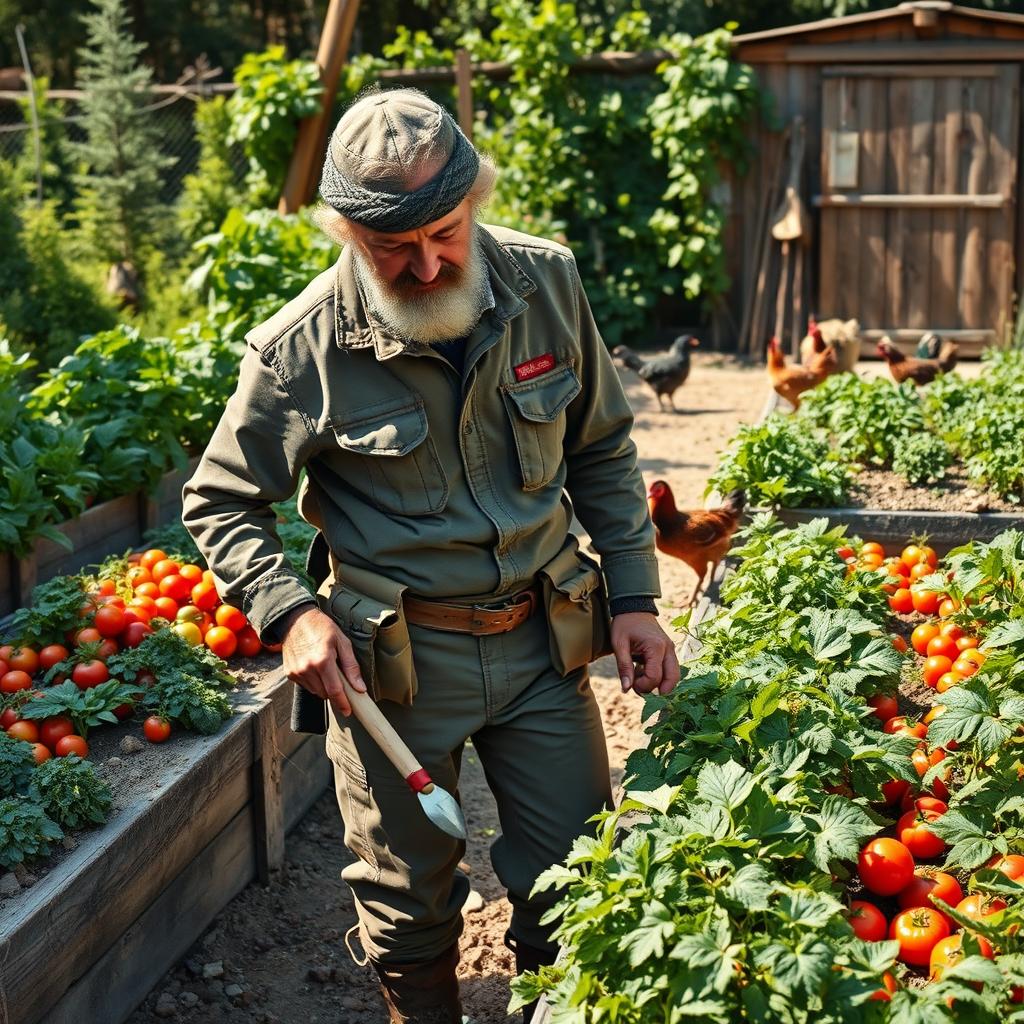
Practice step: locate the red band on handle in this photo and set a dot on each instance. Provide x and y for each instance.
(418, 780)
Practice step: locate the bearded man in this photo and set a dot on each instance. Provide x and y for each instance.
(446, 390)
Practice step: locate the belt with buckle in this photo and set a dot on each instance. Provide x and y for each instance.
(500, 616)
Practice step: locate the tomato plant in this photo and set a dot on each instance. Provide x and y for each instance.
(928, 882)
(917, 931)
(913, 832)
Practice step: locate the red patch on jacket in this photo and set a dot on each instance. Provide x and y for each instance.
(535, 367)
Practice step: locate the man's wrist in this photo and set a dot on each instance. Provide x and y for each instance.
(278, 629)
(624, 605)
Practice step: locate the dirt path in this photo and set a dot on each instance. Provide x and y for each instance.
(277, 954)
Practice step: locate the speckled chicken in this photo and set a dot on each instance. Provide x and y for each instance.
(664, 374)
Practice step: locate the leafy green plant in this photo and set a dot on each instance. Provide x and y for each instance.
(273, 94)
(16, 764)
(86, 708)
(922, 458)
(25, 832)
(780, 462)
(53, 611)
(70, 792)
(209, 193)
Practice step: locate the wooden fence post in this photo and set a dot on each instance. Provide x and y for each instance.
(309, 145)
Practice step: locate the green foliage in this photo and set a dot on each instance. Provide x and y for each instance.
(273, 94)
(70, 792)
(86, 708)
(16, 765)
(25, 832)
(188, 680)
(209, 193)
(118, 205)
(46, 304)
(54, 156)
(780, 462)
(922, 458)
(52, 612)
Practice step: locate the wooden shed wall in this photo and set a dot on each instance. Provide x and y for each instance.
(789, 69)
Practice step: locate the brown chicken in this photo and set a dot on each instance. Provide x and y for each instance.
(700, 539)
(813, 344)
(920, 371)
(792, 381)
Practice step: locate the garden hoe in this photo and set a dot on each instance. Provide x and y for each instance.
(438, 804)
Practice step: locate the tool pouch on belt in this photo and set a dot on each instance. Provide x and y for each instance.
(368, 608)
(579, 626)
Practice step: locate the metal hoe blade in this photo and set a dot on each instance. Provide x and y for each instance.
(443, 810)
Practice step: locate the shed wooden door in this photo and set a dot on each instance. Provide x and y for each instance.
(918, 213)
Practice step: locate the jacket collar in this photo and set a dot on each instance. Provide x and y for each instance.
(354, 328)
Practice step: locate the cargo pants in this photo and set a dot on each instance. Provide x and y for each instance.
(540, 740)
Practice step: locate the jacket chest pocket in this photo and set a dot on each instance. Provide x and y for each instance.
(390, 456)
(536, 409)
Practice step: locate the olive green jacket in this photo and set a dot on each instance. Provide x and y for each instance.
(452, 487)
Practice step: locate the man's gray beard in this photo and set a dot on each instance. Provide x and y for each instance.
(449, 313)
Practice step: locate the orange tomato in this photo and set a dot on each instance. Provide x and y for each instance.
(221, 641)
(928, 555)
(150, 590)
(901, 602)
(967, 643)
(923, 636)
(899, 643)
(233, 618)
(89, 635)
(176, 587)
(204, 596)
(935, 666)
(165, 567)
(151, 557)
(951, 630)
(870, 561)
(910, 556)
(24, 730)
(166, 607)
(40, 752)
(971, 654)
(925, 601)
(15, 680)
(137, 575)
(944, 646)
(24, 659)
(947, 608)
(946, 680)
(920, 570)
(190, 572)
(873, 548)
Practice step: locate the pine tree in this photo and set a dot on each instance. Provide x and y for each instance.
(119, 189)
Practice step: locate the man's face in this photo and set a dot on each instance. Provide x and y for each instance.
(426, 285)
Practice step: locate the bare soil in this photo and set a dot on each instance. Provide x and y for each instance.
(276, 953)
(883, 489)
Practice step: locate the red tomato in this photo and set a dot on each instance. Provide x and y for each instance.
(919, 571)
(917, 931)
(23, 659)
(979, 906)
(935, 666)
(885, 707)
(925, 601)
(923, 760)
(107, 649)
(109, 621)
(163, 568)
(15, 680)
(135, 633)
(913, 832)
(192, 573)
(896, 567)
(928, 882)
(964, 668)
(1012, 865)
(249, 642)
(5, 652)
(867, 921)
(89, 673)
(230, 617)
(136, 613)
(24, 730)
(123, 711)
(54, 728)
(89, 635)
(52, 655)
(923, 803)
(894, 790)
(138, 574)
(943, 646)
(900, 644)
(150, 590)
(885, 866)
(923, 636)
(221, 641)
(114, 600)
(156, 729)
(928, 555)
(947, 952)
(952, 630)
(888, 989)
(40, 753)
(8, 717)
(72, 744)
(166, 608)
(845, 552)
(176, 587)
(901, 601)
(151, 557)
(106, 588)
(904, 726)
(204, 596)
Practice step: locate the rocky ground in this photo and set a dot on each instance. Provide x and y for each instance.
(276, 954)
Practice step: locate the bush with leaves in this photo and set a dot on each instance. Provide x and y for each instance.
(922, 459)
(25, 832)
(16, 765)
(87, 708)
(51, 614)
(210, 192)
(273, 95)
(70, 792)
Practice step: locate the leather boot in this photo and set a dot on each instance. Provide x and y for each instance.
(423, 993)
(528, 958)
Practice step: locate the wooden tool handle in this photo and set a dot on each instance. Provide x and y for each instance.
(383, 734)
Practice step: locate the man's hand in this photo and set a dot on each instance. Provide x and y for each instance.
(636, 636)
(317, 654)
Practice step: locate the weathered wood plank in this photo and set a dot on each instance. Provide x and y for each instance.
(872, 115)
(78, 910)
(268, 813)
(888, 53)
(917, 251)
(1000, 229)
(908, 71)
(922, 201)
(849, 223)
(121, 978)
(896, 175)
(973, 263)
(828, 247)
(944, 311)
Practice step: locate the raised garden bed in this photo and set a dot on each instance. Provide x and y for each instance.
(104, 921)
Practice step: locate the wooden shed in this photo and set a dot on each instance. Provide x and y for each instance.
(911, 176)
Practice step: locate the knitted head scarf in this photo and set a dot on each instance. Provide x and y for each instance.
(383, 142)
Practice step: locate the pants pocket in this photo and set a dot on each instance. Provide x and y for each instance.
(577, 609)
(379, 636)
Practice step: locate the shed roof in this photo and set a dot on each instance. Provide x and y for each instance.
(914, 13)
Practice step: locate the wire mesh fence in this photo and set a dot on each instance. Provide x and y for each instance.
(172, 113)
